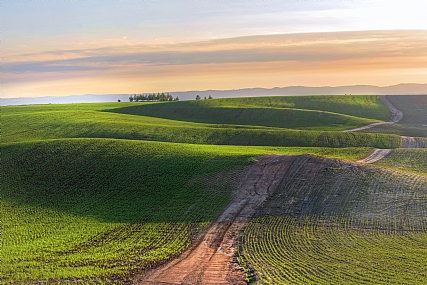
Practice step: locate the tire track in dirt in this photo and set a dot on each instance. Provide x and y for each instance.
(210, 260)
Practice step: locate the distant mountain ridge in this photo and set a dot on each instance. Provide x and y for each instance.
(399, 89)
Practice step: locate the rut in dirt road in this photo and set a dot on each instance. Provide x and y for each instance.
(210, 261)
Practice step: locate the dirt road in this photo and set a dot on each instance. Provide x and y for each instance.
(210, 260)
(410, 142)
(375, 155)
(396, 116)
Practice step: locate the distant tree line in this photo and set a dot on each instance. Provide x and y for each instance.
(152, 97)
(198, 97)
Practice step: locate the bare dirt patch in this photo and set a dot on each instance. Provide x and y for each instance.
(210, 260)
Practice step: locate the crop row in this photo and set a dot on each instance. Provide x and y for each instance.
(407, 160)
(333, 222)
(315, 250)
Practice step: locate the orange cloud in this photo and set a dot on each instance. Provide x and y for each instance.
(336, 58)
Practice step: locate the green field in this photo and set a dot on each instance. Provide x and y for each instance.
(341, 224)
(41, 122)
(332, 113)
(95, 208)
(414, 121)
(406, 160)
(96, 193)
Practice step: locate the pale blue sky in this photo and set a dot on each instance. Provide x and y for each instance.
(61, 23)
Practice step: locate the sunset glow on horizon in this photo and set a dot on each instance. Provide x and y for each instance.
(71, 47)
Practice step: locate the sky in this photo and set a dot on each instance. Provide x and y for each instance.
(56, 48)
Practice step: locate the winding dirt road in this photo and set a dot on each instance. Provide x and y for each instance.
(210, 261)
(395, 117)
(396, 114)
(406, 142)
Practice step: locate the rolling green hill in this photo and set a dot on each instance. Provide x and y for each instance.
(90, 121)
(98, 208)
(333, 113)
(95, 193)
(414, 121)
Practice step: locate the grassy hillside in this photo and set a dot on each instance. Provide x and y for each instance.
(94, 193)
(101, 208)
(337, 223)
(413, 107)
(332, 113)
(98, 208)
(89, 121)
(414, 121)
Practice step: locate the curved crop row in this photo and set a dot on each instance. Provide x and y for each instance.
(289, 250)
(407, 160)
(339, 223)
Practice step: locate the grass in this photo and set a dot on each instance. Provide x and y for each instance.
(328, 113)
(406, 160)
(414, 121)
(94, 193)
(94, 208)
(101, 209)
(339, 223)
(89, 121)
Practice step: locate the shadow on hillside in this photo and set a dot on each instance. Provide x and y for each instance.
(411, 130)
(116, 181)
(267, 117)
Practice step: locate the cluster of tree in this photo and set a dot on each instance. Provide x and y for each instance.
(152, 97)
(198, 97)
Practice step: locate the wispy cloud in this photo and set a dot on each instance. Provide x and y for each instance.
(309, 53)
(318, 47)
